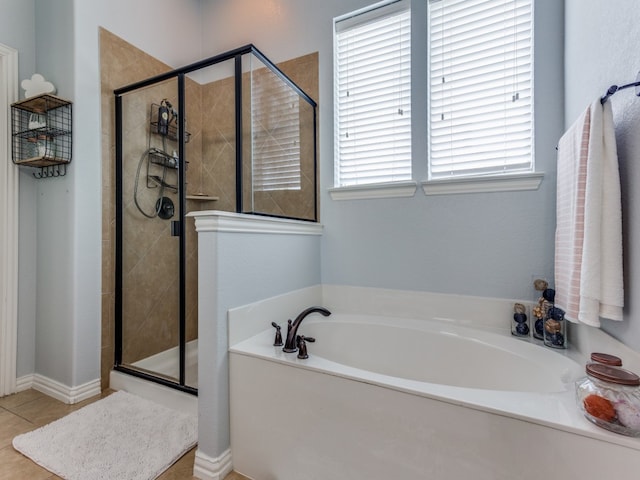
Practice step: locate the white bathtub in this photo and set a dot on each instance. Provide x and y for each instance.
(391, 398)
(439, 353)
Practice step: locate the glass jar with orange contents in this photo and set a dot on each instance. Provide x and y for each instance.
(610, 397)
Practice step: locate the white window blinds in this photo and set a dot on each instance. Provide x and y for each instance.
(275, 122)
(481, 107)
(373, 96)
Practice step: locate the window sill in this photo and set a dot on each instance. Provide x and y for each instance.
(377, 190)
(496, 183)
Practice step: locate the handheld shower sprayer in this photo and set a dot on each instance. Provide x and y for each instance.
(163, 117)
(164, 120)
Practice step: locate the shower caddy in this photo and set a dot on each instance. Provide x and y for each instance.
(160, 156)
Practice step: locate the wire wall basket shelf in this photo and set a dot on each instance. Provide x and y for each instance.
(41, 131)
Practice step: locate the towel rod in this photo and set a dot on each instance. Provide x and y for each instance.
(614, 88)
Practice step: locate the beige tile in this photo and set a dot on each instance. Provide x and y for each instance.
(15, 466)
(10, 402)
(182, 469)
(10, 426)
(45, 409)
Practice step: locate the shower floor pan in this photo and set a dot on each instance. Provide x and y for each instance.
(167, 396)
(166, 364)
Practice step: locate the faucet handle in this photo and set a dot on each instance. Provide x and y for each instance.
(301, 338)
(278, 340)
(301, 341)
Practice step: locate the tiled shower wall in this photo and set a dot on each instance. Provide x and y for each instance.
(150, 253)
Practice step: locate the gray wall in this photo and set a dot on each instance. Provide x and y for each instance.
(478, 244)
(17, 30)
(602, 41)
(54, 206)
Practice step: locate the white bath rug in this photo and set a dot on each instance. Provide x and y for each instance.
(121, 436)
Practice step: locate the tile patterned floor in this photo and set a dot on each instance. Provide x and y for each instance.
(29, 410)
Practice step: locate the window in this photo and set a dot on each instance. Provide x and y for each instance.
(373, 95)
(480, 73)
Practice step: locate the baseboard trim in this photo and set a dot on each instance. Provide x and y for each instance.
(24, 383)
(207, 468)
(57, 390)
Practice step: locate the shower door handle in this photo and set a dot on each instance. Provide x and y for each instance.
(175, 228)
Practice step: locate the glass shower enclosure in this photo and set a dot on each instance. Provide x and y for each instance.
(230, 133)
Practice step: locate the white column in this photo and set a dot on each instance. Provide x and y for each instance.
(8, 225)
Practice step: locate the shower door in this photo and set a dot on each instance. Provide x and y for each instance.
(229, 133)
(152, 332)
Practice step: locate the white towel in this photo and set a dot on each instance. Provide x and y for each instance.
(588, 266)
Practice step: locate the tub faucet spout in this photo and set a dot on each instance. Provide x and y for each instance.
(292, 329)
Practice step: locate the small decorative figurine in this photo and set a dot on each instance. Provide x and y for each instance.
(37, 85)
(539, 312)
(520, 324)
(555, 328)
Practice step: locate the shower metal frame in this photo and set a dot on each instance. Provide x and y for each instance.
(179, 74)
